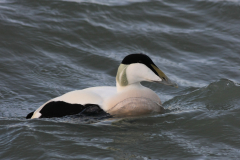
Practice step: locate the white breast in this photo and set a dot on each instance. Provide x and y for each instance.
(136, 95)
(135, 107)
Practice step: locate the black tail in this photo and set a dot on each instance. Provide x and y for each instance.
(29, 115)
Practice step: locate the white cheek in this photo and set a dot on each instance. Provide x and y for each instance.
(139, 72)
(151, 76)
(154, 77)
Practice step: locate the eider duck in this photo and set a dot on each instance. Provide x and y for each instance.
(128, 98)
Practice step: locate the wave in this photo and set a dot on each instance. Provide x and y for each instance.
(223, 94)
(108, 2)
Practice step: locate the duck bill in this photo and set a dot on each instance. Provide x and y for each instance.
(165, 79)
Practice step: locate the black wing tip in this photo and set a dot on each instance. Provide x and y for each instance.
(61, 109)
(29, 116)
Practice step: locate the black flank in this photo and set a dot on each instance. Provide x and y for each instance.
(94, 110)
(61, 109)
(29, 115)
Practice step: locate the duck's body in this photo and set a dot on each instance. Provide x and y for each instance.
(128, 98)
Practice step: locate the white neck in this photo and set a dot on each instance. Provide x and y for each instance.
(133, 85)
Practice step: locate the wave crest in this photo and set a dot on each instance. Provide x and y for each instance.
(223, 94)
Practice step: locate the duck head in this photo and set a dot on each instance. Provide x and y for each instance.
(136, 68)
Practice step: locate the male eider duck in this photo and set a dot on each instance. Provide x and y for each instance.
(128, 98)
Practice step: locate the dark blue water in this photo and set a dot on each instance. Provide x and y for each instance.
(48, 48)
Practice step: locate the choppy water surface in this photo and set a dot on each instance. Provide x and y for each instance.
(48, 48)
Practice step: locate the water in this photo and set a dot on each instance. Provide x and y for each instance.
(48, 48)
